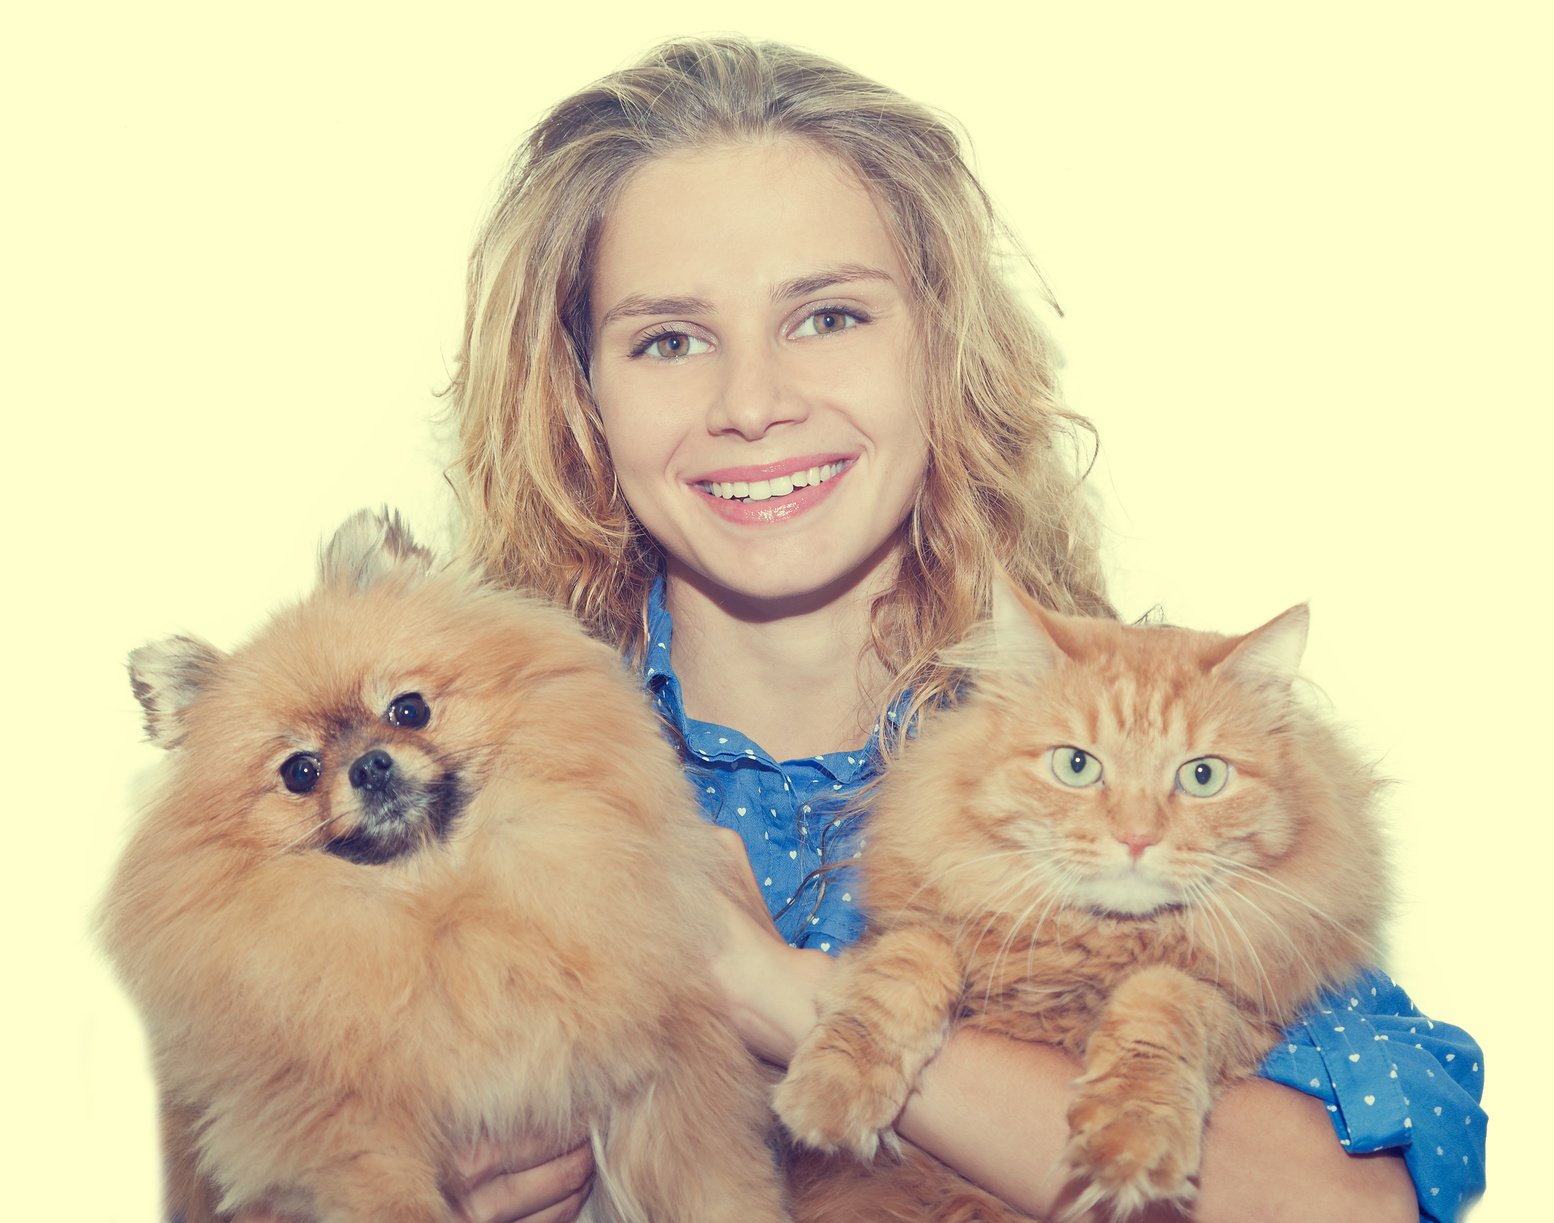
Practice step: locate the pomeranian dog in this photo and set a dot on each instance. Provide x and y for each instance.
(422, 866)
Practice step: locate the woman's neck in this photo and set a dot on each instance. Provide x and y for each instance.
(799, 683)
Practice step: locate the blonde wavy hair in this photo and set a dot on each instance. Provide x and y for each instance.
(542, 507)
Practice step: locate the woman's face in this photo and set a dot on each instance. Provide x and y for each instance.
(751, 357)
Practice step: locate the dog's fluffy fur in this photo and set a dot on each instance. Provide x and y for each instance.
(363, 930)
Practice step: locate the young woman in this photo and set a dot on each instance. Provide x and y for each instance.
(742, 387)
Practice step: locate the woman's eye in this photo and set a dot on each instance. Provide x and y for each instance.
(671, 346)
(1076, 767)
(825, 322)
(409, 711)
(300, 773)
(1204, 777)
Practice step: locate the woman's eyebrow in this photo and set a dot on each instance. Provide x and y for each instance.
(639, 305)
(842, 273)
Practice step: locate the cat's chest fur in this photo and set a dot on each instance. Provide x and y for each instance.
(1051, 989)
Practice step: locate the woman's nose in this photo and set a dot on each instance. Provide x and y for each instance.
(754, 394)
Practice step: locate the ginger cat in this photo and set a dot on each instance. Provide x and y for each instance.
(1135, 843)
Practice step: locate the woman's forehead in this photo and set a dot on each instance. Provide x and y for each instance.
(746, 218)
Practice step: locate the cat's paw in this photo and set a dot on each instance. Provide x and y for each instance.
(1132, 1146)
(832, 1101)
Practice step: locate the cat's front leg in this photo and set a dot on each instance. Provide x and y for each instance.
(1152, 1063)
(884, 1012)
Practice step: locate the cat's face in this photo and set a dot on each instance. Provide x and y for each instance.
(1146, 766)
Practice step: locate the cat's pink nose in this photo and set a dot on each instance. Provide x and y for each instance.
(1137, 842)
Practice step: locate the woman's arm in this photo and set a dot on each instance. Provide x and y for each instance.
(995, 1109)
(1391, 1079)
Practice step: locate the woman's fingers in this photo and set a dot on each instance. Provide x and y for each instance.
(520, 1181)
(523, 1181)
(565, 1211)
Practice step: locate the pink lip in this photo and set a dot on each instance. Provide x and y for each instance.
(777, 510)
(802, 462)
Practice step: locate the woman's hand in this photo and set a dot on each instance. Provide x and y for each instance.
(523, 1181)
(769, 986)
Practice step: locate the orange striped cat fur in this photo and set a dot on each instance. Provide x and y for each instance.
(1208, 864)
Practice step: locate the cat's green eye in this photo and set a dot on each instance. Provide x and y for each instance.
(1074, 766)
(1204, 777)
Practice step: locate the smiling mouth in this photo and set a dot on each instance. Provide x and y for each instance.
(778, 486)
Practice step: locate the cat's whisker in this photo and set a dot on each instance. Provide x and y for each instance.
(1041, 879)
(1215, 907)
(1058, 898)
(997, 905)
(996, 968)
(997, 902)
(1295, 954)
(1245, 872)
(943, 872)
(1279, 924)
(1036, 853)
(1279, 928)
(1036, 880)
(1225, 947)
(1197, 901)
(312, 829)
(990, 916)
(1268, 993)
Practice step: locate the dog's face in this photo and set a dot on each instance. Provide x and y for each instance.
(358, 723)
(370, 785)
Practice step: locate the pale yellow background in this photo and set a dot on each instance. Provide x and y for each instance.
(1304, 257)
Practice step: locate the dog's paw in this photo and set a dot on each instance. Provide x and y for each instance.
(833, 1101)
(1132, 1147)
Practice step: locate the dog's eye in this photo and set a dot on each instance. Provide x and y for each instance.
(300, 773)
(409, 710)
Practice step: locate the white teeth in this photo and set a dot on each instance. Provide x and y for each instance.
(779, 486)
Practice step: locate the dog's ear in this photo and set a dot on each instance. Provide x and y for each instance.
(368, 546)
(167, 677)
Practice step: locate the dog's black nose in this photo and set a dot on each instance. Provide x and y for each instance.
(372, 770)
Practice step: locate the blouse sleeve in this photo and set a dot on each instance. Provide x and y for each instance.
(1393, 1080)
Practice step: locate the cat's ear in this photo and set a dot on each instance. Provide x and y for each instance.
(1016, 637)
(367, 546)
(167, 677)
(1270, 654)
